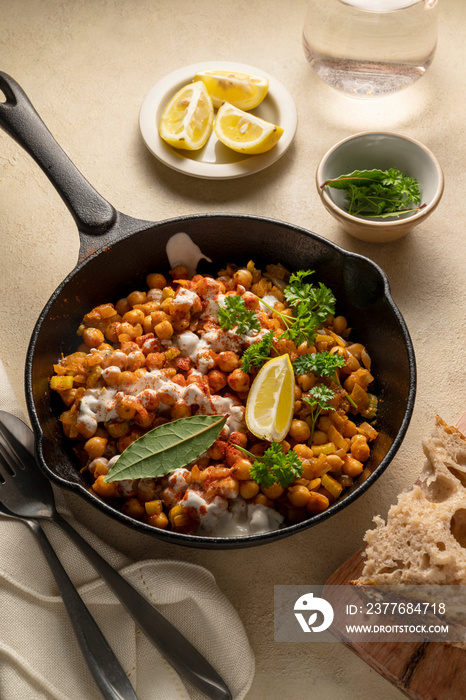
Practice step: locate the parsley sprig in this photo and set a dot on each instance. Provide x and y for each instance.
(275, 466)
(378, 193)
(319, 398)
(234, 314)
(311, 307)
(323, 364)
(258, 353)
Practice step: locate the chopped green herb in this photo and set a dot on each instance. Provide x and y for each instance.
(311, 307)
(378, 193)
(257, 353)
(323, 364)
(276, 467)
(235, 315)
(319, 399)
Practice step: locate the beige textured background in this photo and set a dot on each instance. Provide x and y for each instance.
(87, 67)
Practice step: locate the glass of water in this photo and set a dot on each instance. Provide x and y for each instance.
(370, 48)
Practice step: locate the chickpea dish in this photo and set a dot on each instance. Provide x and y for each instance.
(193, 346)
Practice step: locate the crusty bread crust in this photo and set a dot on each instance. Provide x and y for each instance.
(424, 538)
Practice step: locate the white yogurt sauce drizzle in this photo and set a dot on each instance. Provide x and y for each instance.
(237, 520)
(181, 250)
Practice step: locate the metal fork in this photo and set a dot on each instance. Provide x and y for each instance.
(27, 494)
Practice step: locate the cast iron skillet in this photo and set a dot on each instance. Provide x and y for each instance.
(116, 254)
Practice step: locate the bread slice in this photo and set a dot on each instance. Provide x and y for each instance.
(424, 538)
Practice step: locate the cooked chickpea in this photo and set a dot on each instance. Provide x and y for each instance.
(104, 490)
(238, 380)
(319, 437)
(122, 306)
(339, 324)
(248, 489)
(262, 500)
(127, 329)
(334, 462)
(93, 337)
(135, 361)
(95, 447)
(136, 298)
(228, 361)
(156, 281)
(243, 277)
(360, 450)
(98, 466)
(352, 467)
(86, 428)
(241, 468)
(237, 438)
(303, 451)
(134, 316)
(306, 381)
(298, 496)
(228, 487)
(299, 430)
(232, 455)
(167, 398)
(258, 449)
(250, 300)
(306, 349)
(217, 380)
(147, 324)
(180, 410)
(317, 503)
(133, 508)
(179, 272)
(273, 492)
(146, 489)
(349, 429)
(217, 450)
(126, 379)
(164, 330)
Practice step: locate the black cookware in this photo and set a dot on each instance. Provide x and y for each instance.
(117, 252)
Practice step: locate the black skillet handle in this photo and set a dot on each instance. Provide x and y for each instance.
(91, 212)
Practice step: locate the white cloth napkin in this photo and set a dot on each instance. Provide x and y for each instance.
(39, 656)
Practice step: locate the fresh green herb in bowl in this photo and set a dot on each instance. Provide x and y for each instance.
(393, 183)
(379, 193)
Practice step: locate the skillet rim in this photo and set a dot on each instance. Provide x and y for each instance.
(127, 227)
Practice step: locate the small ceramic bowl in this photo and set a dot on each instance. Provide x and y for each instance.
(380, 150)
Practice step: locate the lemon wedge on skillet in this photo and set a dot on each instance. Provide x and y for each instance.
(269, 408)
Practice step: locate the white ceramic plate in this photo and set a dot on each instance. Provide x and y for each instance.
(215, 160)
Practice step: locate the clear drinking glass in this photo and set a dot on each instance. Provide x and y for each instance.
(370, 48)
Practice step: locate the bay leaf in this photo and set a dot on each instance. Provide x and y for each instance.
(167, 447)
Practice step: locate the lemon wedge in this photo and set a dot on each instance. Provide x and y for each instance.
(244, 132)
(242, 90)
(269, 408)
(187, 119)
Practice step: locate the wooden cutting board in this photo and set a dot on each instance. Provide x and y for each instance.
(422, 671)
